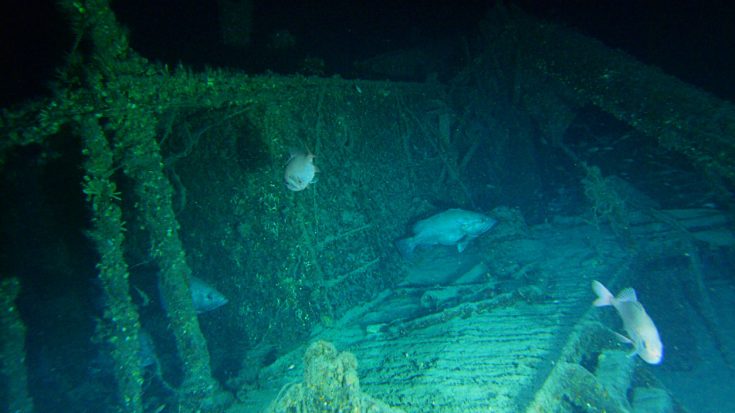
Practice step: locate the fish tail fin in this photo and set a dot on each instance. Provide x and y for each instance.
(405, 247)
(604, 296)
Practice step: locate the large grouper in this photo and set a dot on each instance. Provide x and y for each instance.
(451, 227)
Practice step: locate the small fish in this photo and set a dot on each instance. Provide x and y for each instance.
(300, 171)
(103, 363)
(642, 333)
(451, 227)
(204, 296)
(147, 351)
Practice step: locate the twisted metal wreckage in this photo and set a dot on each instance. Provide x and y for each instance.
(115, 102)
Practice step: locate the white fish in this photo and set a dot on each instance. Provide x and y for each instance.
(300, 171)
(642, 333)
(453, 226)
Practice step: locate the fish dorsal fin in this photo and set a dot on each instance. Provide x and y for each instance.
(627, 294)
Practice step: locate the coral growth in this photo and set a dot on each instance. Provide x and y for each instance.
(330, 385)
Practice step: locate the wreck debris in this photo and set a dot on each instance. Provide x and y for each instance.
(119, 328)
(330, 384)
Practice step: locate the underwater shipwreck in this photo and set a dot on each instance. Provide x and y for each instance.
(154, 260)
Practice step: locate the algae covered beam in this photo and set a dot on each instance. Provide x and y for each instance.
(144, 164)
(119, 327)
(132, 134)
(13, 371)
(680, 116)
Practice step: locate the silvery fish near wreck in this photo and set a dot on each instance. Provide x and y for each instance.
(642, 332)
(300, 171)
(204, 297)
(451, 227)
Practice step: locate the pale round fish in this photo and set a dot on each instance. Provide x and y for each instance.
(300, 171)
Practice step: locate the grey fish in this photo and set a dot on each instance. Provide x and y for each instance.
(451, 227)
(147, 351)
(204, 296)
(103, 364)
